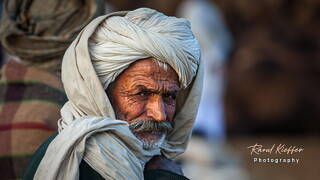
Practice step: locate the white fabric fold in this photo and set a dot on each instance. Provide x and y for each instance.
(75, 142)
(88, 128)
(143, 33)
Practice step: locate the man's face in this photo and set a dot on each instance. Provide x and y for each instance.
(144, 95)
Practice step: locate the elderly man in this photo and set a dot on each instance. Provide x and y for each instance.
(133, 80)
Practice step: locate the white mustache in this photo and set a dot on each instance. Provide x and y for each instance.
(150, 125)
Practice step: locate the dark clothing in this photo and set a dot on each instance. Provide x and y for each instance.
(86, 172)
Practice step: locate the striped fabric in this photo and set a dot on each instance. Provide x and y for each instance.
(30, 102)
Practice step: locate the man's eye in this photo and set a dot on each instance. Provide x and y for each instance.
(170, 96)
(143, 93)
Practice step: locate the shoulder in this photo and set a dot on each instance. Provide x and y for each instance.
(159, 174)
(37, 157)
(86, 172)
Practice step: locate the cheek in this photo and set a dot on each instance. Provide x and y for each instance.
(170, 110)
(131, 108)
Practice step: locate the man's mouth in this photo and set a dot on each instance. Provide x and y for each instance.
(150, 136)
(151, 133)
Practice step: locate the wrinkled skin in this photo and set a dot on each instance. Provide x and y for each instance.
(146, 91)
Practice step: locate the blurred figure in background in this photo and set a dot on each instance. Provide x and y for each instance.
(1, 51)
(207, 156)
(272, 77)
(215, 41)
(272, 82)
(35, 34)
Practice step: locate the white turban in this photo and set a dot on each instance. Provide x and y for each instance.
(88, 129)
(119, 41)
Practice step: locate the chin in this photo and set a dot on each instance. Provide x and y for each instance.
(151, 140)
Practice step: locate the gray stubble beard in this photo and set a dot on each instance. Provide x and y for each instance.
(151, 127)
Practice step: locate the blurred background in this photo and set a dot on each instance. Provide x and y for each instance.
(262, 72)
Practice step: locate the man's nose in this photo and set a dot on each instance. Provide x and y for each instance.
(156, 108)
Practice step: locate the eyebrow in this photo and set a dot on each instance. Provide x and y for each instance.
(143, 88)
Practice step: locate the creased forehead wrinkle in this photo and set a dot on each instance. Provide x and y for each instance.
(120, 41)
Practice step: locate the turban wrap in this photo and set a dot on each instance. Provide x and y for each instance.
(39, 31)
(88, 128)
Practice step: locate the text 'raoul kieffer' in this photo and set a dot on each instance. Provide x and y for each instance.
(276, 149)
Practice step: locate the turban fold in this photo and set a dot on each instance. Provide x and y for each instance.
(88, 129)
(39, 31)
(119, 41)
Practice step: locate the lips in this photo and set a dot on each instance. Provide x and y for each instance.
(149, 135)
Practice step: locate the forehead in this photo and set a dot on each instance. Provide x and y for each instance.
(149, 69)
